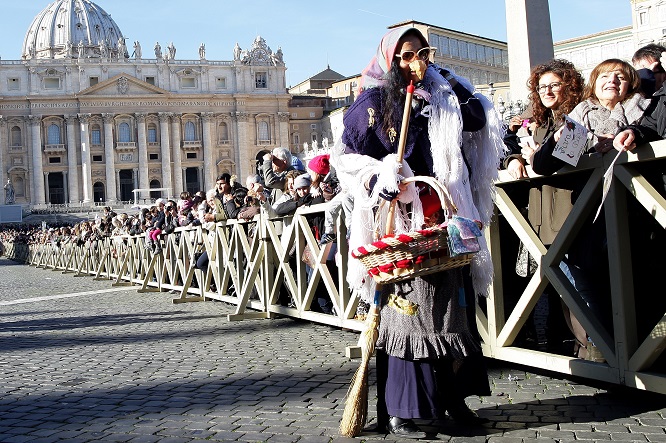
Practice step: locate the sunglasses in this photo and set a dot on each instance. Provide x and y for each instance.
(423, 54)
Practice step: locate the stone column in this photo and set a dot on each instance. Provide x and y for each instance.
(135, 180)
(110, 158)
(86, 171)
(37, 189)
(529, 39)
(166, 154)
(65, 179)
(242, 153)
(3, 149)
(201, 176)
(72, 161)
(47, 188)
(179, 179)
(283, 129)
(117, 175)
(143, 154)
(183, 177)
(209, 156)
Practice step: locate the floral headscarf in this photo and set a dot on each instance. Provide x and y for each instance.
(374, 74)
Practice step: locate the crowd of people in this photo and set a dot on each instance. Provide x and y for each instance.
(428, 356)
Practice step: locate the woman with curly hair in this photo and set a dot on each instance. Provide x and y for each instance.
(556, 87)
(611, 101)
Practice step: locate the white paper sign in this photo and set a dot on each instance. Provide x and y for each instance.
(572, 142)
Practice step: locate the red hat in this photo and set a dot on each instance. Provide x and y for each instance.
(320, 164)
(429, 201)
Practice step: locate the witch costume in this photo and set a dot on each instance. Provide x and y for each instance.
(428, 351)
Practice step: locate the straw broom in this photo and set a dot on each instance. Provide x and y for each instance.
(356, 405)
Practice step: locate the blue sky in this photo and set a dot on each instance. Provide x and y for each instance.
(312, 35)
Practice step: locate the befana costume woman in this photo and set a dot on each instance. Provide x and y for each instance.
(428, 351)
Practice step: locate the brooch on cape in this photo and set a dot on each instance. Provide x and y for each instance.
(392, 135)
(371, 120)
(402, 305)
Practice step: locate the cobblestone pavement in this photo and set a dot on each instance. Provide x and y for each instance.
(83, 361)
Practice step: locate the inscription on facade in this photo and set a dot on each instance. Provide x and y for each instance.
(126, 157)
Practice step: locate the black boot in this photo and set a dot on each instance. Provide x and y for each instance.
(463, 415)
(405, 428)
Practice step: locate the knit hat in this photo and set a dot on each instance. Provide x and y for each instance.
(320, 164)
(302, 181)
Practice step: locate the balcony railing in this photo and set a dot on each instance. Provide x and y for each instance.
(125, 146)
(191, 145)
(54, 149)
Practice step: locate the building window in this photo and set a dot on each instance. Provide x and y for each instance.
(313, 126)
(297, 139)
(98, 158)
(54, 160)
(13, 84)
(94, 81)
(51, 83)
(150, 80)
(294, 127)
(152, 133)
(312, 115)
(223, 132)
(53, 135)
(96, 135)
(643, 18)
(294, 115)
(314, 137)
(191, 155)
(188, 82)
(16, 136)
(221, 83)
(190, 133)
(263, 133)
(124, 133)
(154, 156)
(260, 81)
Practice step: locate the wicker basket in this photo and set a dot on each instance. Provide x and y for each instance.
(394, 258)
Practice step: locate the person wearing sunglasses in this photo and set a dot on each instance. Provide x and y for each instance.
(428, 360)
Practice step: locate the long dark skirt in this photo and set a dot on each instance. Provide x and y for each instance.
(442, 336)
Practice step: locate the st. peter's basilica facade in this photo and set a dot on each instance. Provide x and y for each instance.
(87, 117)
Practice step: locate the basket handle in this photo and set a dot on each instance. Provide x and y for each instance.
(444, 196)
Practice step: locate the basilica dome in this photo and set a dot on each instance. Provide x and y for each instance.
(73, 28)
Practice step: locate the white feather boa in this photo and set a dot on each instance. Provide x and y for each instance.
(473, 195)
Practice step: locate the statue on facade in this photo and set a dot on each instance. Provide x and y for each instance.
(137, 50)
(324, 143)
(158, 50)
(305, 147)
(202, 51)
(122, 49)
(237, 52)
(314, 145)
(9, 193)
(81, 49)
(102, 49)
(172, 51)
(68, 49)
(278, 55)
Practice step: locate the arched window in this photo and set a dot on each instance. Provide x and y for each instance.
(16, 136)
(155, 184)
(264, 135)
(53, 135)
(124, 133)
(152, 133)
(223, 132)
(190, 133)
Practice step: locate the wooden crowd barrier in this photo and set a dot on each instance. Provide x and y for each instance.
(251, 267)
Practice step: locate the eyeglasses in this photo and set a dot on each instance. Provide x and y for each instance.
(423, 54)
(555, 87)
